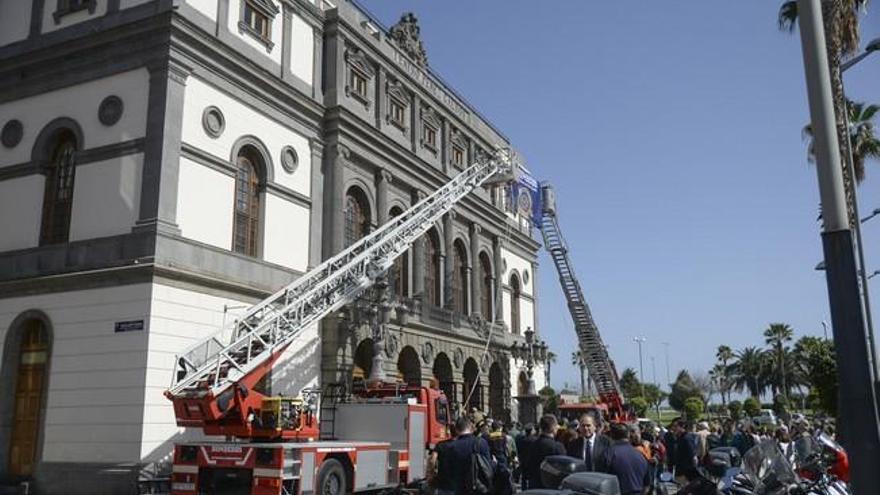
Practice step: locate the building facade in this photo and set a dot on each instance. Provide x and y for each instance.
(166, 163)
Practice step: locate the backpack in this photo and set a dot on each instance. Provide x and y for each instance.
(482, 473)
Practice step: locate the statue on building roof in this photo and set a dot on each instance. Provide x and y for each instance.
(406, 35)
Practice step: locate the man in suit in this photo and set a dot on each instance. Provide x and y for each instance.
(590, 445)
(543, 446)
(454, 458)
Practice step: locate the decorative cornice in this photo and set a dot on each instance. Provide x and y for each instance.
(356, 59)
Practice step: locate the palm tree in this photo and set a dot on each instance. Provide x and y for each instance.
(551, 359)
(577, 359)
(747, 371)
(776, 335)
(841, 23)
(722, 372)
(864, 143)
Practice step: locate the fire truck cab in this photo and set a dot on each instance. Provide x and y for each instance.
(381, 440)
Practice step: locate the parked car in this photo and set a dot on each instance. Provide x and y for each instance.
(766, 417)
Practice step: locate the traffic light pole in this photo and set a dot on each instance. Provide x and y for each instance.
(857, 406)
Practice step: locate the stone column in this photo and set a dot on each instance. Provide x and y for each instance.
(475, 273)
(317, 65)
(418, 250)
(498, 283)
(334, 202)
(286, 21)
(383, 179)
(158, 203)
(416, 126)
(317, 196)
(449, 266)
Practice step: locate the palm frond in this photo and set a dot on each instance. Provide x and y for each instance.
(788, 14)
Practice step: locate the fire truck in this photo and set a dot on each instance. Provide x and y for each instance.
(273, 445)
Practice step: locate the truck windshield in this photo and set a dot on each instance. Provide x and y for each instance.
(441, 414)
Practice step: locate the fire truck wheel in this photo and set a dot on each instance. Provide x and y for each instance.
(331, 478)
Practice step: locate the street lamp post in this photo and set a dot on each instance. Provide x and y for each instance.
(531, 351)
(850, 170)
(640, 341)
(666, 346)
(858, 419)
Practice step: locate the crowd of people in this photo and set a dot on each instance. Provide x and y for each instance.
(636, 456)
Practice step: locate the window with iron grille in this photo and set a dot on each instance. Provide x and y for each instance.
(459, 279)
(357, 216)
(399, 272)
(457, 155)
(397, 112)
(515, 294)
(486, 294)
(432, 269)
(429, 136)
(246, 222)
(359, 84)
(58, 193)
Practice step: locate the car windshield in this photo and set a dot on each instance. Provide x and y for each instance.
(766, 467)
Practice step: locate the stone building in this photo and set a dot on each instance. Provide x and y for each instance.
(166, 163)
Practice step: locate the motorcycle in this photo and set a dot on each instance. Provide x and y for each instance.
(822, 465)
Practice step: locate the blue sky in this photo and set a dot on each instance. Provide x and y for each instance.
(672, 133)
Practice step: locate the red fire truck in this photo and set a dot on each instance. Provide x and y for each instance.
(387, 431)
(273, 445)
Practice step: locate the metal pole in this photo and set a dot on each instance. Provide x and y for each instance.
(857, 407)
(668, 381)
(653, 372)
(639, 341)
(866, 300)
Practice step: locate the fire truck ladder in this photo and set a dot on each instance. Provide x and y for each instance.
(221, 360)
(592, 349)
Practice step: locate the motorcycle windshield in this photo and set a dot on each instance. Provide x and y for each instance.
(805, 449)
(766, 467)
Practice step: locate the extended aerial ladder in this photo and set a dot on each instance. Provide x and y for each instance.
(592, 349)
(216, 383)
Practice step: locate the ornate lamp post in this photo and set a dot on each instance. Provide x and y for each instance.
(532, 352)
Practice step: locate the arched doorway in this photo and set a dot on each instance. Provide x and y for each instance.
(473, 390)
(496, 393)
(443, 375)
(363, 361)
(408, 367)
(26, 362)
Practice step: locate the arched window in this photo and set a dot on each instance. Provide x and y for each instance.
(432, 268)
(248, 185)
(486, 296)
(58, 195)
(30, 384)
(515, 294)
(357, 216)
(459, 279)
(399, 273)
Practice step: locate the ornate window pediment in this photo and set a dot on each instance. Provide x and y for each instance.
(430, 126)
(358, 61)
(256, 20)
(398, 101)
(360, 72)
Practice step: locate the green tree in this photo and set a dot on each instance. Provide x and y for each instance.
(747, 371)
(551, 359)
(549, 399)
(863, 141)
(724, 355)
(693, 408)
(639, 405)
(578, 359)
(629, 384)
(781, 406)
(735, 408)
(815, 358)
(683, 389)
(841, 25)
(654, 396)
(752, 407)
(776, 335)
